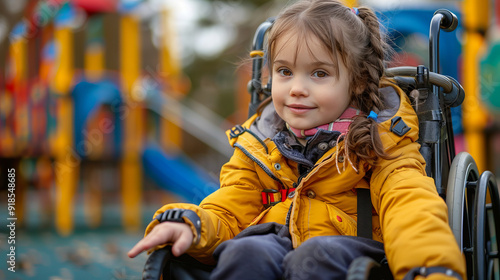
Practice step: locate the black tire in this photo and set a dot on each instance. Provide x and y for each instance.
(366, 268)
(462, 170)
(156, 263)
(460, 197)
(486, 228)
(162, 264)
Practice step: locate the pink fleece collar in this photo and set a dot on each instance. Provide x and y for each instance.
(341, 124)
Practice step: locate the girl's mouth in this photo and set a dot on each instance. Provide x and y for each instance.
(299, 108)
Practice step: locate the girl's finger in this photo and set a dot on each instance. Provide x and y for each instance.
(183, 243)
(157, 237)
(146, 243)
(138, 248)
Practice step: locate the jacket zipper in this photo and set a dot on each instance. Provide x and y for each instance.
(306, 174)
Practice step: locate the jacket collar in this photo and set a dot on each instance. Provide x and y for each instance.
(306, 156)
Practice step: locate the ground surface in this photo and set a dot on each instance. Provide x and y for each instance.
(87, 254)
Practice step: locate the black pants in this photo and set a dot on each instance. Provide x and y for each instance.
(265, 252)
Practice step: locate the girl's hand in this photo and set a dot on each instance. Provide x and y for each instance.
(179, 234)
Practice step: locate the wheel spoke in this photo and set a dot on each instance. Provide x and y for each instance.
(469, 209)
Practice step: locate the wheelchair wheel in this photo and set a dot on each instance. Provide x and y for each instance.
(460, 196)
(162, 264)
(365, 268)
(486, 228)
(156, 263)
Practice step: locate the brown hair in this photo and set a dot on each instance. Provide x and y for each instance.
(356, 40)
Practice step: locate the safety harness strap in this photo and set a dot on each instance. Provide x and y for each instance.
(272, 197)
(364, 213)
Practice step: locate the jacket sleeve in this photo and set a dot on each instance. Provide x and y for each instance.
(228, 210)
(412, 215)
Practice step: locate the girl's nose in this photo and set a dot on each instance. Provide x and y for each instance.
(299, 89)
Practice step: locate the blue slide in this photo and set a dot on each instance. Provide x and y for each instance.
(177, 174)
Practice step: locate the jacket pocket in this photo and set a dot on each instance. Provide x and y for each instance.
(344, 224)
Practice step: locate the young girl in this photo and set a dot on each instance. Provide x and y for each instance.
(287, 205)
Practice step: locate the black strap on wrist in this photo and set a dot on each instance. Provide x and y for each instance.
(171, 215)
(426, 271)
(177, 215)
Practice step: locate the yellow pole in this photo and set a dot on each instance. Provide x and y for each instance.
(351, 3)
(63, 76)
(170, 70)
(474, 113)
(67, 163)
(133, 123)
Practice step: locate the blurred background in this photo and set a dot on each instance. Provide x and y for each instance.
(111, 108)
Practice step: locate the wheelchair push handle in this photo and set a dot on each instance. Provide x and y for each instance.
(449, 21)
(255, 87)
(442, 19)
(454, 93)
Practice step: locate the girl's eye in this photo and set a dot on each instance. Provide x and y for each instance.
(320, 74)
(285, 72)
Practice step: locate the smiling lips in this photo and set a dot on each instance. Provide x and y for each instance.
(299, 108)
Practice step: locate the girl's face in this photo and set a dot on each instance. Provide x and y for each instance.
(306, 91)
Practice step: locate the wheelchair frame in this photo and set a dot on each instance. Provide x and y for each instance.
(474, 222)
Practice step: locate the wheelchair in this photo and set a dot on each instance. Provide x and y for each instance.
(473, 199)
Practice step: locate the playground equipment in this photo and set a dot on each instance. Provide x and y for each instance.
(75, 100)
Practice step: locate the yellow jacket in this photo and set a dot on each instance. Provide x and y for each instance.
(409, 218)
